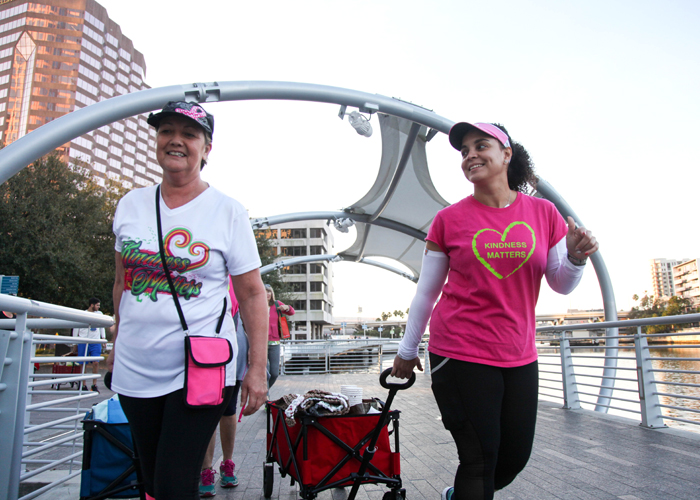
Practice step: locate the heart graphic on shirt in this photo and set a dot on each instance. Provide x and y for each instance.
(182, 238)
(504, 253)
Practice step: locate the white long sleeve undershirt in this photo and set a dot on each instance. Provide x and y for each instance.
(562, 276)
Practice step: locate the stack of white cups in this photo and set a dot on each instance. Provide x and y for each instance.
(353, 393)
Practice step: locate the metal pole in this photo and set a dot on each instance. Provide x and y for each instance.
(48, 137)
(568, 377)
(652, 417)
(21, 355)
(606, 288)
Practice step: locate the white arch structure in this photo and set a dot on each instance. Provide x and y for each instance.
(405, 130)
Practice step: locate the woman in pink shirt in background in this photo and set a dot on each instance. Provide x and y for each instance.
(493, 248)
(273, 337)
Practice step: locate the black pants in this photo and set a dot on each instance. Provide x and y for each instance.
(491, 413)
(171, 440)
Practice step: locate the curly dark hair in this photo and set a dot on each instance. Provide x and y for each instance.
(521, 170)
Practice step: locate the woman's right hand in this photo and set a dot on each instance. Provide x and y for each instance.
(403, 368)
(110, 360)
(253, 390)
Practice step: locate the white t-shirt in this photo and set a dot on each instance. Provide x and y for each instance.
(90, 333)
(208, 238)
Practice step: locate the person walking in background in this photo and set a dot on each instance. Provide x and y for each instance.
(273, 338)
(90, 349)
(228, 422)
(206, 238)
(493, 248)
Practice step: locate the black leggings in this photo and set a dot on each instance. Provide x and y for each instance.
(171, 439)
(491, 413)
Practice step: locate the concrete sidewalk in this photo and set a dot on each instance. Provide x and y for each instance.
(577, 454)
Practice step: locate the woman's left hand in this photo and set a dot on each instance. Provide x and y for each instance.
(580, 242)
(284, 308)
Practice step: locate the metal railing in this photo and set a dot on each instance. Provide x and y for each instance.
(568, 374)
(578, 373)
(371, 355)
(43, 423)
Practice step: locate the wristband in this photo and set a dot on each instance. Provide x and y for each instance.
(577, 262)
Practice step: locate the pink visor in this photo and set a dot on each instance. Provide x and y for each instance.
(459, 130)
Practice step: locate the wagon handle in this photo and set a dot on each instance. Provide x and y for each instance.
(394, 386)
(372, 446)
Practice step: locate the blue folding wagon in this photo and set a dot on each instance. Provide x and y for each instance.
(110, 463)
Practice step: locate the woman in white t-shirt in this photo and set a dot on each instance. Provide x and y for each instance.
(209, 237)
(493, 248)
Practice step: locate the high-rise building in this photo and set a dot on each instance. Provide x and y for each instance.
(57, 56)
(686, 280)
(312, 284)
(662, 277)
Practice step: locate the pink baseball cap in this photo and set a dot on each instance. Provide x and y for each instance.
(459, 130)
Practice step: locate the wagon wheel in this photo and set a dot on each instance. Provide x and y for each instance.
(268, 479)
(395, 495)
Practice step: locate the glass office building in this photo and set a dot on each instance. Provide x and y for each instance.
(57, 56)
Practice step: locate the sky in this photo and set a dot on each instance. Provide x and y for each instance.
(604, 95)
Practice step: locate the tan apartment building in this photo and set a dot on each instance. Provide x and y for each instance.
(686, 281)
(312, 283)
(662, 277)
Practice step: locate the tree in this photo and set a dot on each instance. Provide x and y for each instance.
(399, 314)
(652, 307)
(268, 253)
(56, 233)
(385, 316)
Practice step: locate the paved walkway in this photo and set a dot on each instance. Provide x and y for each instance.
(577, 454)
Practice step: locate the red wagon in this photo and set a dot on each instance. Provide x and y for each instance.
(321, 453)
(63, 368)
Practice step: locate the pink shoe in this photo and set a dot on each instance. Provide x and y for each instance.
(228, 478)
(207, 483)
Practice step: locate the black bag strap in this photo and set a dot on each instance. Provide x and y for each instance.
(170, 279)
(165, 266)
(221, 318)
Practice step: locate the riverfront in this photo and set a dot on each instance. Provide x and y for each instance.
(675, 365)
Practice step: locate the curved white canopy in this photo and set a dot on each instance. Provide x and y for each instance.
(402, 192)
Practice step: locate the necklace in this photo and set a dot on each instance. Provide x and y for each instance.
(509, 202)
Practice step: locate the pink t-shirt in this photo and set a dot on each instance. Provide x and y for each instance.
(273, 333)
(498, 256)
(232, 297)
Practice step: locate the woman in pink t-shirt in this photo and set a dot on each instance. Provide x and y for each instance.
(493, 248)
(273, 336)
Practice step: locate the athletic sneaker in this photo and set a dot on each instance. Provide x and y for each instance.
(447, 493)
(207, 483)
(94, 388)
(228, 478)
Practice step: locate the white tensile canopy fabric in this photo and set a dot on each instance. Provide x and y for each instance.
(413, 202)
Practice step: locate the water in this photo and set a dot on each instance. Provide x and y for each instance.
(588, 369)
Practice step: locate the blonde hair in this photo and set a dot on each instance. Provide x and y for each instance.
(272, 296)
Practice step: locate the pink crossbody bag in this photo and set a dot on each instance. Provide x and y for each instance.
(206, 357)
